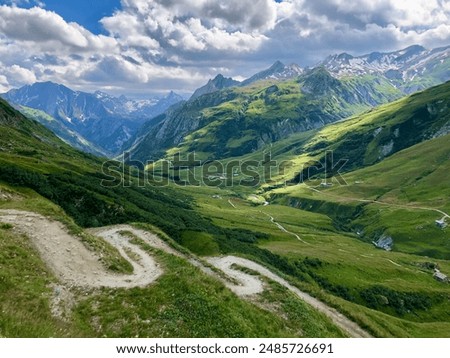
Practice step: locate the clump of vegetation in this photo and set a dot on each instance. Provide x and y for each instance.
(6, 226)
(383, 298)
(313, 262)
(244, 269)
(428, 265)
(200, 243)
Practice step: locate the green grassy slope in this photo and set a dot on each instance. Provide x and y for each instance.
(240, 120)
(40, 173)
(407, 187)
(392, 293)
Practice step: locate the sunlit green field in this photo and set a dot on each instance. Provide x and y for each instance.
(341, 264)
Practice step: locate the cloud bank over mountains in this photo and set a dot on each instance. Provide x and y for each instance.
(150, 46)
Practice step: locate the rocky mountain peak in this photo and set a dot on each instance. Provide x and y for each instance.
(277, 71)
(216, 84)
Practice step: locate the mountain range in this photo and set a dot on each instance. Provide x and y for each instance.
(227, 118)
(95, 122)
(241, 115)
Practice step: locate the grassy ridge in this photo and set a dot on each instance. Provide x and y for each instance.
(61, 130)
(239, 120)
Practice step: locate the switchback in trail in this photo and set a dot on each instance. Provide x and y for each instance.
(75, 265)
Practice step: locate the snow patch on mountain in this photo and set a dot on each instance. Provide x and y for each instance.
(405, 65)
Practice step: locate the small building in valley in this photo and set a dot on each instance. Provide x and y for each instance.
(384, 242)
(438, 275)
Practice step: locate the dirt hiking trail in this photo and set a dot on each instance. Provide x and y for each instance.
(72, 262)
(253, 285)
(75, 265)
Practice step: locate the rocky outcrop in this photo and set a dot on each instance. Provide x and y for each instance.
(384, 242)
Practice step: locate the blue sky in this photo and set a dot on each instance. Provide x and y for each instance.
(87, 13)
(142, 47)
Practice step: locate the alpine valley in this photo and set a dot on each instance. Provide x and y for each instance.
(225, 118)
(300, 202)
(93, 122)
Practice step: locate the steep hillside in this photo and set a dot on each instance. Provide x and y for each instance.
(240, 120)
(61, 130)
(368, 138)
(92, 192)
(103, 120)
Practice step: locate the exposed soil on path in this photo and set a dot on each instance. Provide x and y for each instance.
(72, 262)
(252, 285)
(75, 265)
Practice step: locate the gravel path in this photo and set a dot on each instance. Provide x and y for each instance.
(282, 228)
(76, 265)
(252, 285)
(72, 262)
(446, 216)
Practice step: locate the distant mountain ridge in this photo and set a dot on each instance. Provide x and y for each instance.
(410, 69)
(339, 86)
(62, 130)
(98, 118)
(277, 71)
(229, 118)
(216, 84)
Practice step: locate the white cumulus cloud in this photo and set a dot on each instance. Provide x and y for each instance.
(157, 45)
(48, 31)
